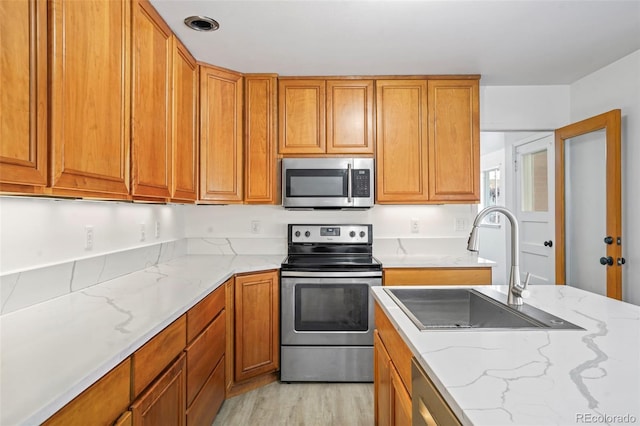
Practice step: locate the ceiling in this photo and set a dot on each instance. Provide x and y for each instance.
(515, 42)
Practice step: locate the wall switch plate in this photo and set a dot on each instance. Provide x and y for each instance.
(460, 224)
(157, 229)
(143, 232)
(415, 226)
(255, 226)
(88, 233)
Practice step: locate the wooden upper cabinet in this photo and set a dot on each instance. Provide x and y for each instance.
(23, 104)
(301, 108)
(320, 116)
(350, 116)
(454, 140)
(184, 185)
(260, 171)
(401, 149)
(151, 130)
(90, 97)
(221, 154)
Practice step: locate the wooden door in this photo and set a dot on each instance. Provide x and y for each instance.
(401, 148)
(256, 325)
(184, 182)
(350, 117)
(611, 249)
(221, 156)
(454, 140)
(301, 109)
(90, 97)
(151, 131)
(163, 403)
(260, 171)
(381, 382)
(23, 104)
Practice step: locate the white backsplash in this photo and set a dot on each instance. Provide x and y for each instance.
(21, 289)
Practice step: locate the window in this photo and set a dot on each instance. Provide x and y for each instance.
(490, 186)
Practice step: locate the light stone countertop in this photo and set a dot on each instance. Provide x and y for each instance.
(52, 351)
(562, 377)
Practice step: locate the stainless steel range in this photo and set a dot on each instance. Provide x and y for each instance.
(326, 306)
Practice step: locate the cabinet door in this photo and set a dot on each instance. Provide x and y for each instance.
(437, 276)
(256, 325)
(90, 99)
(260, 172)
(23, 104)
(184, 182)
(381, 382)
(151, 130)
(350, 116)
(400, 401)
(401, 148)
(301, 108)
(164, 402)
(220, 135)
(454, 141)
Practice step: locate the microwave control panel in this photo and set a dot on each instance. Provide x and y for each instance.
(361, 179)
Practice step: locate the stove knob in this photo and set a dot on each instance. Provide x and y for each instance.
(297, 234)
(307, 234)
(352, 234)
(362, 234)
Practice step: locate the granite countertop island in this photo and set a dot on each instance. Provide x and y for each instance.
(50, 352)
(536, 377)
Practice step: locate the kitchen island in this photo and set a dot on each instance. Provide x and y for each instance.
(535, 377)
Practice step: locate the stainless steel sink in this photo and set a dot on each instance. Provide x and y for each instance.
(466, 309)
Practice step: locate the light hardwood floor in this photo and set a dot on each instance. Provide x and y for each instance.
(300, 404)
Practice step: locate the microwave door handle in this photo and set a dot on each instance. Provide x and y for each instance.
(349, 183)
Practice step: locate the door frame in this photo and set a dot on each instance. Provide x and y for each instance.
(611, 123)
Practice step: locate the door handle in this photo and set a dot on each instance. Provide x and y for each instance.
(548, 243)
(608, 239)
(606, 260)
(621, 261)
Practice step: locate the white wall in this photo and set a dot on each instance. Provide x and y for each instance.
(618, 86)
(42, 231)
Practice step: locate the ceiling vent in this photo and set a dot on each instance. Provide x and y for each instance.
(201, 23)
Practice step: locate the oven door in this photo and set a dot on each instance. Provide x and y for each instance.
(327, 311)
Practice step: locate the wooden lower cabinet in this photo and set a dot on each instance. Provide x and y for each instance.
(382, 382)
(100, 404)
(253, 333)
(204, 408)
(400, 400)
(437, 276)
(164, 402)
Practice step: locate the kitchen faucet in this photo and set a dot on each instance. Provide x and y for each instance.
(516, 290)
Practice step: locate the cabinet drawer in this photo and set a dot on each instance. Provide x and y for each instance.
(100, 404)
(151, 359)
(398, 350)
(203, 355)
(208, 402)
(206, 310)
(437, 276)
(428, 405)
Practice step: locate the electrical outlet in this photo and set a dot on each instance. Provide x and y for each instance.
(460, 224)
(88, 241)
(143, 232)
(415, 226)
(255, 226)
(157, 229)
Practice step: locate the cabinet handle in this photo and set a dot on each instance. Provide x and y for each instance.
(349, 183)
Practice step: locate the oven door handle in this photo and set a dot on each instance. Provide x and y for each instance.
(349, 183)
(331, 274)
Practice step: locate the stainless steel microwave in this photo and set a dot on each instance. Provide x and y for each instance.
(327, 182)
